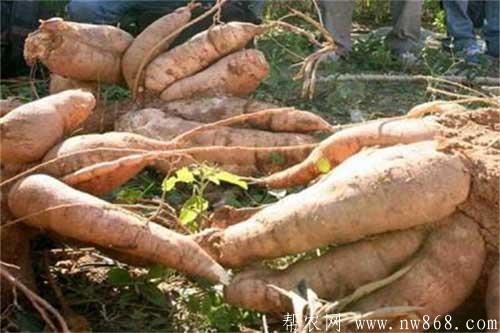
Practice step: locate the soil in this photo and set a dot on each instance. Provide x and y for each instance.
(476, 135)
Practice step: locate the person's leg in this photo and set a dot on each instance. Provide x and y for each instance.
(458, 23)
(159, 5)
(337, 18)
(257, 7)
(99, 11)
(491, 28)
(406, 22)
(475, 10)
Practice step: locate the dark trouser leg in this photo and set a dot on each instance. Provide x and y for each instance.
(99, 11)
(459, 24)
(337, 17)
(475, 10)
(492, 26)
(406, 23)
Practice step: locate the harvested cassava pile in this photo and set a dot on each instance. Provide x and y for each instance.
(211, 109)
(156, 124)
(79, 51)
(15, 249)
(198, 53)
(331, 276)
(59, 84)
(148, 39)
(237, 74)
(341, 145)
(367, 195)
(49, 204)
(357, 200)
(210, 63)
(30, 130)
(104, 114)
(80, 157)
(456, 254)
(420, 193)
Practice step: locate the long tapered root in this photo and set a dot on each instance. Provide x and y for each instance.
(443, 274)
(155, 124)
(149, 38)
(198, 53)
(119, 166)
(341, 145)
(30, 130)
(374, 191)
(79, 51)
(332, 276)
(99, 163)
(51, 205)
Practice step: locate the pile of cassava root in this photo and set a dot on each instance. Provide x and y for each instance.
(418, 192)
(407, 192)
(211, 62)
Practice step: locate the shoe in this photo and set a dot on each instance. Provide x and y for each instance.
(471, 54)
(339, 53)
(406, 57)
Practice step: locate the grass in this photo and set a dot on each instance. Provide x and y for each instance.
(115, 297)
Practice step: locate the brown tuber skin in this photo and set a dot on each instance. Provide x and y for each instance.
(30, 130)
(15, 250)
(198, 53)
(153, 123)
(332, 276)
(149, 38)
(117, 157)
(442, 275)
(103, 177)
(211, 109)
(127, 142)
(59, 84)
(58, 208)
(79, 51)
(237, 74)
(84, 152)
(9, 104)
(370, 193)
(341, 145)
(435, 107)
(225, 216)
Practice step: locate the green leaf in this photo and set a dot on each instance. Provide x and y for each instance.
(184, 175)
(198, 203)
(193, 207)
(127, 297)
(157, 272)
(323, 165)
(187, 215)
(129, 195)
(231, 179)
(214, 179)
(169, 183)
(196, 171)
(152, 294)
(119, 276)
